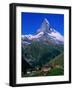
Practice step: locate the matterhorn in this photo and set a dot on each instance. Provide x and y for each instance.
(46, 33)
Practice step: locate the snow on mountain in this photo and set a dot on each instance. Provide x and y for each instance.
(45, 32)
(57, 36)
(31, 37)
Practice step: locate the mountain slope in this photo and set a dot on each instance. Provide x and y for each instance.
(59, 60)
(39, 53)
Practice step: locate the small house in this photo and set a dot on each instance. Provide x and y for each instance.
(46, 68)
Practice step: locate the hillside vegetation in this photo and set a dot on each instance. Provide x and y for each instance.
(38, 55)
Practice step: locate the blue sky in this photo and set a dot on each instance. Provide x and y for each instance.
(30, 22)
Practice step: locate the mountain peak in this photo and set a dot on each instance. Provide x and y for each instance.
(45, 26)
(45, 32)
(45, 20)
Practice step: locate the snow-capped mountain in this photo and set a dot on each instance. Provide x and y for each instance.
(44, 33)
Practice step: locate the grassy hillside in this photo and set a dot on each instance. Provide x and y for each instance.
(58, 65)
(59, 60)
